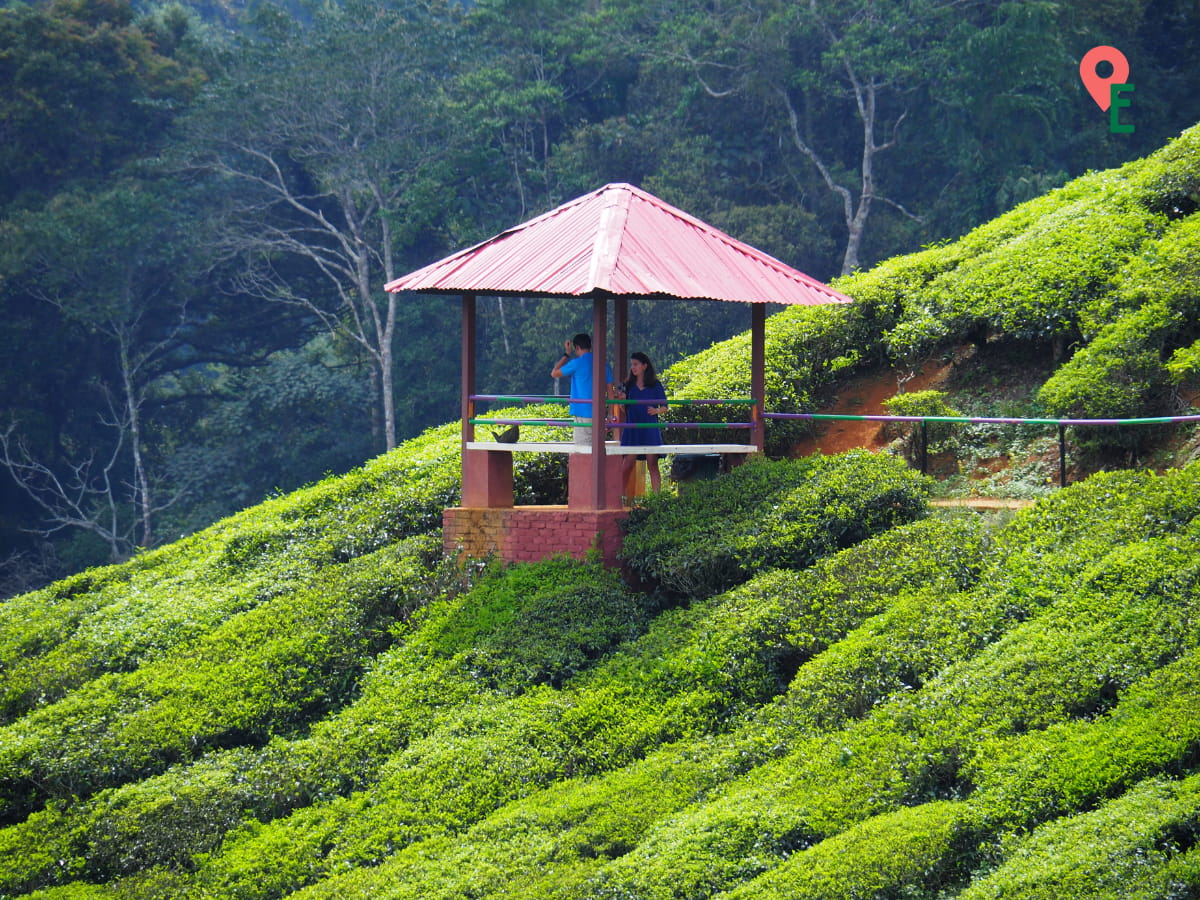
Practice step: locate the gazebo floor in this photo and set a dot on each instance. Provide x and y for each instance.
(611, 448)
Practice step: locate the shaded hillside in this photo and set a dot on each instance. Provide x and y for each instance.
(823, 690)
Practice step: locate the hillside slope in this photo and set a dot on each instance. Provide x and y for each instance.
(825, 690)
(1097, 281)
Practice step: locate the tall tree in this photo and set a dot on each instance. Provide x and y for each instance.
(329, 141)
(113, 266)
(814, 68)
(538, 70)
(85, 89)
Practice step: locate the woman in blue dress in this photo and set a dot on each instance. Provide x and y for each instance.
(643, 384)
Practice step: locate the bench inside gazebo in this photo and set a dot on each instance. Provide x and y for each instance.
(610, 245)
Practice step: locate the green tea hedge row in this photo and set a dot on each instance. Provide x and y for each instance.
(911, 789)
(903, 851)
(768, 514)
(1106, 504)
(563, 833)
(168, 597)
(825, 601)
(1044, 271)
(841, 589)
(264, 671)
(539, 734)
(1123, 371)
(121, 617)
(692, 671)
(400, 706)
(906, 752)
(588, 616)
(1026, 779)
(1131, 846)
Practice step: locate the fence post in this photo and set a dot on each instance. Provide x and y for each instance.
(924, 445)
(1062, 455)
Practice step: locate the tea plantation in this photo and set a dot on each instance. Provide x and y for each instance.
(820, 687)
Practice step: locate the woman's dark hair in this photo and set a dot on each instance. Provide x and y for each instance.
(650, 376)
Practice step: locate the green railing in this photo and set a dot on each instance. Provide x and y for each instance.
(1061, 424)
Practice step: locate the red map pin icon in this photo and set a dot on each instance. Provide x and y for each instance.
(1099, 87)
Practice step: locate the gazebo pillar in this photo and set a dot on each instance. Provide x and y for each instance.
(620, 337)
(487, 476)
(468, 367)
(758, 380)
(594, 479)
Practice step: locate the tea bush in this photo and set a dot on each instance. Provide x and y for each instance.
(167, 597)
(553, 842)
(938, 435)
(603, 610)
(1123, 371)
(540, 623)
(118, 618)
(904, 850)
(768, 514)
(697, 666)
(260, 672)
(905, 752)
(738, 744)
(1131, 846)
(1066, 768)
(693, 672)
(1168, 181)
(1053, 269)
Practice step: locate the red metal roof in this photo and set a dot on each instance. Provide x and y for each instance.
(622, 241)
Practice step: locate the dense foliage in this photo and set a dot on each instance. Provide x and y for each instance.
(767, 514)
(200, 202)
(304, 700)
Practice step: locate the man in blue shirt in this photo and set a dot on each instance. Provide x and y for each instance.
(579, 370)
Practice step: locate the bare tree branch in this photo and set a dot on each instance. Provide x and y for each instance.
(85, 498)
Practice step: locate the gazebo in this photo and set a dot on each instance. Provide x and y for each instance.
(612, 244)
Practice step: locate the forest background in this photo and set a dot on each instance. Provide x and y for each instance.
(200, 203)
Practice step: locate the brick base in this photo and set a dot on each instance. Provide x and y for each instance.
(530, 533)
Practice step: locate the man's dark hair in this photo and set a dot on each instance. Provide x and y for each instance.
(582, 341)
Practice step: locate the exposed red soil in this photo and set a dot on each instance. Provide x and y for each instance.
(864, 396)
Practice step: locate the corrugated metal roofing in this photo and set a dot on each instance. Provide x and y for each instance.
(622, 241)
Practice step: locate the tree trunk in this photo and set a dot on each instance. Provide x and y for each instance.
(387, 390)
(141, 482)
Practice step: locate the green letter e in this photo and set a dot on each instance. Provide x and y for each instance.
(1114, 109)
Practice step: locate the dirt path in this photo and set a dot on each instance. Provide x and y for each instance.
(982, 503)
(864, 396)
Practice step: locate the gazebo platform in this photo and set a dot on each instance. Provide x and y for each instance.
(489, 524)
(530, 533)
